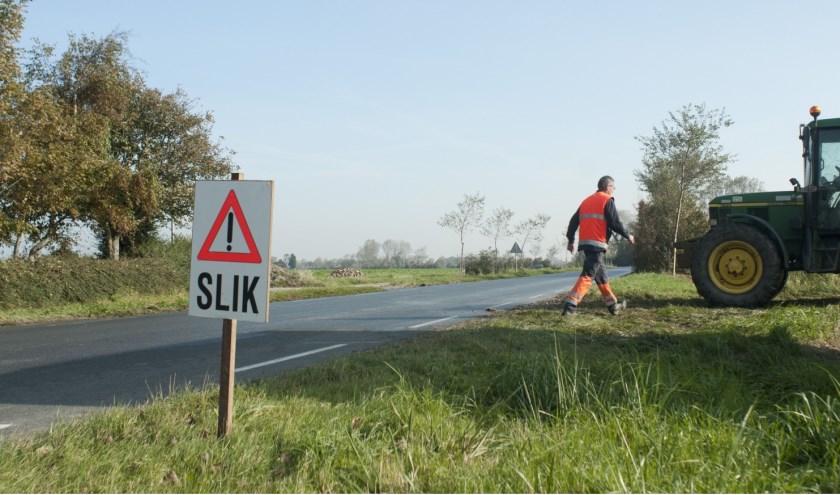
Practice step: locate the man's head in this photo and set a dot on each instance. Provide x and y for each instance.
(605, 183)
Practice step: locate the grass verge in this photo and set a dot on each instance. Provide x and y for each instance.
(122, 304)
(672, 396)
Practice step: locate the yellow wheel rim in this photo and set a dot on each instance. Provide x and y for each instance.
(735, 267)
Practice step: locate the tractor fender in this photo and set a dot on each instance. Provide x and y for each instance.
(687, 246)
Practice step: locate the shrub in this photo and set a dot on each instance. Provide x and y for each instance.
(283, 277)
(177, 253)
(481, 264)
(55, 280)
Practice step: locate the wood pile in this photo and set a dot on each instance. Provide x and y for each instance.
(346, 273)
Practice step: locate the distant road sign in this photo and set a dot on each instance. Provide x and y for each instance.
(516, 249)
(231, 250)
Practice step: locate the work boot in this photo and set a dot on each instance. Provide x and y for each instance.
(569, 310)
(617, 308)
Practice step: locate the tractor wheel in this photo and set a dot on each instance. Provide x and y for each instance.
(737, 265)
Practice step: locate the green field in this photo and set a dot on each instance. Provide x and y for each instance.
(672, 396)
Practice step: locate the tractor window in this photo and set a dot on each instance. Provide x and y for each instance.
(829, 156)
(806, 154)
(829, 186)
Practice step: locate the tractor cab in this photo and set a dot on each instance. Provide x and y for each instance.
(821, 153)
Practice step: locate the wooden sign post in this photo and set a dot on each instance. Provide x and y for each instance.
(227, 371)
(226, 377)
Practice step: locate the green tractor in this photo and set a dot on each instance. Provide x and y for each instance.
(756, 239)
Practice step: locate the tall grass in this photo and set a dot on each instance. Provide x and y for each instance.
(672, 396)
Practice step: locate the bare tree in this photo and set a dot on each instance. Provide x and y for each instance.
(535, 249)
(531, 229)
(731, 185)
(464, 219)
(419, 257)
(402, 253)
(497, 227)
(368, 254)
(553, 251)
(389, 249)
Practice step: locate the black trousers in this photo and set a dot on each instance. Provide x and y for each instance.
(594, 268)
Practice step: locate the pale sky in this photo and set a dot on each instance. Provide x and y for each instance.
(374, 118)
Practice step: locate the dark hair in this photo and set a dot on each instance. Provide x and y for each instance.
(604, 182)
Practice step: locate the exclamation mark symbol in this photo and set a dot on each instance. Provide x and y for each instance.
(230, 230)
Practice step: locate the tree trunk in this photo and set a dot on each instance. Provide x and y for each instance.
(37, 248)
(46, 238)
(114, 246)
(463, 268)
(16, 251)
(676, 234)
(496, 255)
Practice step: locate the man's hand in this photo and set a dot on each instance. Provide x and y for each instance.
(571, 247)
(631, 239)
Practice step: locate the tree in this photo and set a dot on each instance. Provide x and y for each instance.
(368, 254)
(653, 242)
(172, 143)
(292, 261)
(730, 185)
(620, 252)
(52, 174)
(389, 250)
(681, 159)
(152, 146)
(463, 220)
(552, 252)
(419, 258)
(531, 229)
(401, 253)
(43, 156)
(11, 94)
(497, 227)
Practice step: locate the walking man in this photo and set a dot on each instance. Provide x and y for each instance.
(598, 220)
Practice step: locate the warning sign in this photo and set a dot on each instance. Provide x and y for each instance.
(230, 215)
(229, 272)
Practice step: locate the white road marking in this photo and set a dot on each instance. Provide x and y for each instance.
(538, 295)
(431, 322)
(500, 305)
(287, 358)
(2, 426)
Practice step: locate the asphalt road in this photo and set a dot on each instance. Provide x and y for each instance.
(63, 370)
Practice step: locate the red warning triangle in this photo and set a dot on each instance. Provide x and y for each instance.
(252, 256)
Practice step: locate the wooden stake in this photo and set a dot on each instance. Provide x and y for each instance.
(226, 377)
(226, 373)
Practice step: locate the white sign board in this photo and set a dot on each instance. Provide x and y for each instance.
(231, 250)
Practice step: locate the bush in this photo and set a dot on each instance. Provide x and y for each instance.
(55, 280)
(283, 277)
(481, 264)
(177, 253)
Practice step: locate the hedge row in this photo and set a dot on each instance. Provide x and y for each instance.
(53, 281)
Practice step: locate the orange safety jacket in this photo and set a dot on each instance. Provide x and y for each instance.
(593, 222)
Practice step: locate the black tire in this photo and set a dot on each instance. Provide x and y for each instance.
(737, 265)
